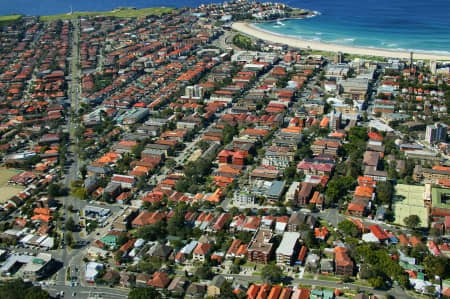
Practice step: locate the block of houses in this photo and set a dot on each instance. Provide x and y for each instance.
(125, 181)
(316, 167)
(260, 248)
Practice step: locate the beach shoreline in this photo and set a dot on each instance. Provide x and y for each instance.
(248, 29)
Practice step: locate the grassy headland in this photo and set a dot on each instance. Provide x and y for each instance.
(119, 13)
(10, 19)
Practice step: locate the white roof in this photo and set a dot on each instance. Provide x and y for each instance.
(370, 237)
(287, 244)
(97, 250)
(41, 239)
(189, 247)
(139, 243)
(27, 238)
(13, 232)
(49, 242)
(23, 259)
(280, 226)
(92, 270)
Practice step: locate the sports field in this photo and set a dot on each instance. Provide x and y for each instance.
(408, 200)
(7, 191)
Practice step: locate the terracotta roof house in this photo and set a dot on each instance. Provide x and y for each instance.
(160, 280)
(253, 291)
(343, 263)
(145, 218)
(178, 285)
(201, 251)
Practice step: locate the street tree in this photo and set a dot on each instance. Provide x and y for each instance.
(144, 293)
(70, 224)
(412, 221)
(348, 228)
(271, 273)
(69, 239)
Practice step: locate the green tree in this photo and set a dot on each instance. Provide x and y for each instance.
(348, 228)
(170, 163)
(392, 171)
(435, 232)
(234, 211)
(203, 272)
(384, 192)
(235, 269)
(271, 273)
(69, 239)
(122, 239)
(289, 172)
(333, 190)
(419, 252)
(377, 282)
(152, 232)
(55, 190)
(439, 266)
(228, 133)
(80, 193)
(144, 293)
(14, 289)
(70, 224)
(412, 221)
(226, 291)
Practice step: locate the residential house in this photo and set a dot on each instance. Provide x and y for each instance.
(160, 280)
(344, 265)
(215, 286)
(201, 252)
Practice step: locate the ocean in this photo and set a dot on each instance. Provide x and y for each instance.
(402, 24)
(412, 25)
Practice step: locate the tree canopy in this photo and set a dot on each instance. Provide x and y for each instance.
(348, 228)
(412, 221)
(14, 289)
(144, 293)
(271, 273)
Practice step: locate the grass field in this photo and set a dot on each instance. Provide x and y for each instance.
(408, 200)
(119, 13)
(10, 19)
(7, 191)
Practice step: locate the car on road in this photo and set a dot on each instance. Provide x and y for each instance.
(74, 294)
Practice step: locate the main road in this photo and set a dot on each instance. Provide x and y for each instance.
(73, 171)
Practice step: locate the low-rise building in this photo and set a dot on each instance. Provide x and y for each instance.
(260, 248)
(286, 252)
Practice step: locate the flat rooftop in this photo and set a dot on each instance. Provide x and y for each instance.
(440, 198)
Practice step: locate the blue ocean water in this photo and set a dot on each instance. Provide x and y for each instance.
(399, 24)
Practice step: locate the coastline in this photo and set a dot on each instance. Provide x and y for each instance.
(250, 30)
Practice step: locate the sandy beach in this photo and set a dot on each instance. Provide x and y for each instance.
(246, 28)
